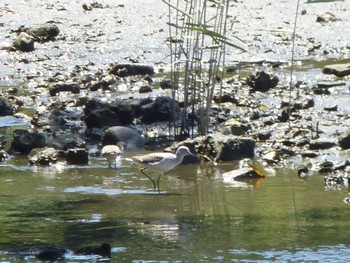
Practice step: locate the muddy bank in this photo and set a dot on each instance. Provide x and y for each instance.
(67, 81)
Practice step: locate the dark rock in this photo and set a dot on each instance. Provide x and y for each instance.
(344, 141)
(24, 42)
(24, 141)
(262, 81)
(101, 118)
(331, 108)
(43, 32)
(321, 144)
(130, 138)
(326, 17)
(104, 250)
(116, 113)
(162, 109)
(124, 111)
(51, 254)
(263, 136)
(125, 70)
(43, 156)
(6, 107)
(145, 89)
(166, 84)
(64, 87)
(77, 156)
(340, 70)
(309, 154)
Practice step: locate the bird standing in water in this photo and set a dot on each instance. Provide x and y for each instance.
(111, 153)
(160, 162)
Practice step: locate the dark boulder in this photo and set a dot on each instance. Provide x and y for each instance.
(127, 137)
(262, 81)
(24, 141)
(125, 70)
(162, 109)
(77, 156)
(6, 107)
(64, 87)
(101, 118)
(344, 141)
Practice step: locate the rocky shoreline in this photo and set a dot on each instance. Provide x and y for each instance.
(78, 107)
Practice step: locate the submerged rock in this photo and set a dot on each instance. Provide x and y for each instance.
(77, 156)
(43, 156)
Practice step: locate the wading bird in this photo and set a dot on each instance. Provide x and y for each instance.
(111, 153)
(160, 162)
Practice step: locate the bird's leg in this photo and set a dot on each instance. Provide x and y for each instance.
(158, 182)
(154, 183)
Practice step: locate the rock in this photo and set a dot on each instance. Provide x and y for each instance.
(77, 156)
(43, 156)
(221, 147)
(125, 70)
(104, 250)
(6, 107)
(24, 42)
(321, 144)
(234, 127)
(262, 81)
(340, 70)
(129, 138)
(101, 118)
(123, 110)
(51, 254)
(344, 141)
(326, 17)
(166, 84)
(24, 141)
(145, 89)
(236, 148)
(164, 108)
(64, 87)
(116, 113)
(242, 174)
(43, 32)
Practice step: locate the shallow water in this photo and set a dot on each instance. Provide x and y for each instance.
(196, 217)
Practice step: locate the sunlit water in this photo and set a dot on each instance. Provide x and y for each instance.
(195, 218)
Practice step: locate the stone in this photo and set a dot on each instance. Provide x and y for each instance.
(125, 136)
(43, 32)
(6, 107)
(43, 156)
(125, 70)
(321, 144)
(24, 42)
(262, 81)
(163, 108)
(64, 87)
(344, 141)
(77, 156)
(340, 70)
(24, 141)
